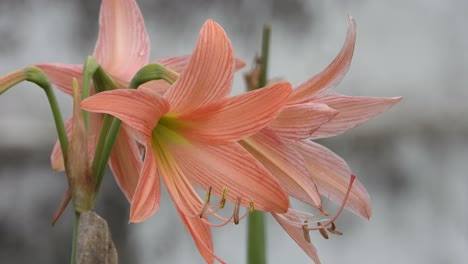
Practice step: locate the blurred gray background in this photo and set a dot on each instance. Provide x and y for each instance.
(413, 159)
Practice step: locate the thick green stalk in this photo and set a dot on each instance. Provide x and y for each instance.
(256, 221)
(76, 225)
(61, 132)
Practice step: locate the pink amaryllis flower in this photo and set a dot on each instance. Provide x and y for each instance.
(190, 136)
(122, 48)
(308, 170)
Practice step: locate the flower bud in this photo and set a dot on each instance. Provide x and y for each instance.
(80, 180)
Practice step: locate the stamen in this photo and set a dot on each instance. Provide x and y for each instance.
(251, 206)
(306, 231)
(322, 231)
(236, 210)
(321, 226)
(207, 202)
(223, 197)
(208, 195)
(333, 230)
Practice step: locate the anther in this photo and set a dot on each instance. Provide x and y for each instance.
(306, 231)
(325, 213)
(236, 210)
(251, 206)
(333, 230)
(223, 197)
(329, 222)
(322, 231)
(207, 202)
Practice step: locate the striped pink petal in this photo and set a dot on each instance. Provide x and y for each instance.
(285, 163)
(179, 63)
(299, 121)
(61, 75)
(208, 76)
(176, 179)
(332, 175)
(147, 196)
(125, 163)
(352, 111)
(237, 117)
(333, 74)
(122, 46)
(137, 108)
(233, 167)
(297, 234)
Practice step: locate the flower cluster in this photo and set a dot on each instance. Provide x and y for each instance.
(253, 150)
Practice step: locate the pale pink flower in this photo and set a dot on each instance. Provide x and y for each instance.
(306, 169)
(122, 48)
(190, 136)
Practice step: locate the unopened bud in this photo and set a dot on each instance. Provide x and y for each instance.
(80, 181)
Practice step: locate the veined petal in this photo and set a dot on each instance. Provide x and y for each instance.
(285, 163)
(61, 75)
(233, 167)
(297, 234)
(147, 195)
(299, 121)
(209, 74)
(56, 158)
(177, 182)
(352, 111)
(332, 174)
(179, 63)
(122, 46)
(236, 117)
(137, 108)
(333, 74)
(201, 234)
(125, 163)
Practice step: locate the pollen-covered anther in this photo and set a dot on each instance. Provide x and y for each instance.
(222, 203)
(333, 230)
(322, 231)
(207, 202)
(237, 210)
(251, 206)
(306, 231)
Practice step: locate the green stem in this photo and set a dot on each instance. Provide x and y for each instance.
(106, 150)
(256, 221)
(36, 76)
(89, 69)
(60, 127)
(76, 225)
(97, 161)
(262, 82)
